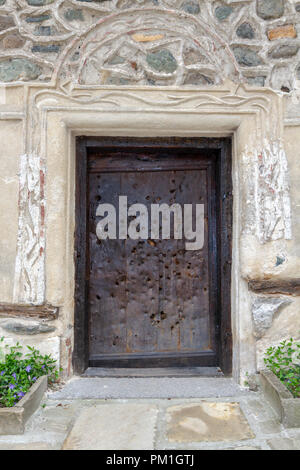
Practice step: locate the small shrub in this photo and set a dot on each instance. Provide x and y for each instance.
(19, 372)
(284, 362)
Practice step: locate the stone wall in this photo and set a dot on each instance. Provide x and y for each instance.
(148, 68)
(142, 42)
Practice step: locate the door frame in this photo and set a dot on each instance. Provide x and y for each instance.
(224, 177)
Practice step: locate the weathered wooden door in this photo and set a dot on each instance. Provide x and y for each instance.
(151, 302)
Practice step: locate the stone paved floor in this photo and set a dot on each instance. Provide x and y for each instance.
(229, 418)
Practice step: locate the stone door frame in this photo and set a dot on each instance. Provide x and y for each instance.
(253, 118)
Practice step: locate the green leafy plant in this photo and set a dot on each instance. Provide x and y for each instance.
(284, 362)
(18, 371)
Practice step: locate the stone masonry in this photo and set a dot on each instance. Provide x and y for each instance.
(148, 68)
(262, 35)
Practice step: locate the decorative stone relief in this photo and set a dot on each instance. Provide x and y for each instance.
(149, 42)
(29, 280)
(264, 168)
(149, 48)
(76, 48)
(272, 194)
(263, 311)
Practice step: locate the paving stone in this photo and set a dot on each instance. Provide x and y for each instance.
(270, 427)
(27, 446)
(284, 443)
(270, 9)
(208, 421)
(258, 408)
(49, 427)
(115, 427)
(57, 419)
(247, 448)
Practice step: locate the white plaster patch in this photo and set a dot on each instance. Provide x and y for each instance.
(263, 311)
(44, 345)
(29, 283)
(268, 213)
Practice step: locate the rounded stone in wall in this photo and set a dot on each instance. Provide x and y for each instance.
(162, 61)
(39, 3)
(73, 15)
(18, 69)
(26, 327)
(257, 81)
(198, 79)
(191, 7)
(245, 31)
(223, 12)
(246, 56)
(270, 9)
(283, 51)
(13, 41)
(6, 22)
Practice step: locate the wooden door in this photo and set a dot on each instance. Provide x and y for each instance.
(151, 302)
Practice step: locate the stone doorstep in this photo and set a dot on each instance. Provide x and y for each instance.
(12, 420)
(280, 398)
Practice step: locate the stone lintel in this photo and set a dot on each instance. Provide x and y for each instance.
(277, 286)
(45, 311)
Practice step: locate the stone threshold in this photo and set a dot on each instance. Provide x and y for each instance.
(154, 372)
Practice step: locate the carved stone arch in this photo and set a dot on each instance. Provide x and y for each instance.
(147, 47)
